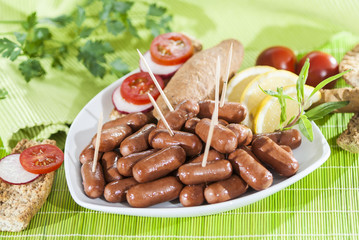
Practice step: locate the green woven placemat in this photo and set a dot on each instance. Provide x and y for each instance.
(323, 205)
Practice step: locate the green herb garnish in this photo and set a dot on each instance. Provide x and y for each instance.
(3, 93)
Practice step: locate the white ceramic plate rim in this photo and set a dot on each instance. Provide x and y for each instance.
(75, 143)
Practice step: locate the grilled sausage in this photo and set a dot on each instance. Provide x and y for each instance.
(125, 164)
(192, 195)
(159, 164)
(189, 142)
(151, 193)
(246, 165)
(190, 124)
(231, 111)
(138, 141)
(287, 148)
(244, 134)
(88, 153)
(109, 166)
(116, 191)
(291, 137)
(194, 173)
(177, 118)
(112, 137)
(267, 151)
(212, 156)
(133, 120)
(224, 140)
(225, 190)
(93, 182)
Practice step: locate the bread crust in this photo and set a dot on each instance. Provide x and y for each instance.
(351, 61)
(349, 139)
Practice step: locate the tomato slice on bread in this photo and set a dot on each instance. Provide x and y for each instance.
(134, 88)
(42, 158)
(171, 49)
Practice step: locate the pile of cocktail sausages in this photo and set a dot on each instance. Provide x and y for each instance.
(141, 163)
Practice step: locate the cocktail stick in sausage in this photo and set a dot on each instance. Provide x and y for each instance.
(93, 182)
(291, 137)
(251, 171)
(232, 112)
(225, 190)
(109, 166)
(125, 164)
(194, 173)
(192, 195)
(224, 140)
(160, 138)
(88, 153)
(244, 134)
(267, 151)
(133, 120)
(159, 164)
(138, 141)
(112, 137)
(116, 191)
(212, 156)
(177, 118)
(151, 193)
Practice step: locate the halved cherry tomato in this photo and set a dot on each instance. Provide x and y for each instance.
(171, 49)
(41, 159)
(134, 88)
(279, 57)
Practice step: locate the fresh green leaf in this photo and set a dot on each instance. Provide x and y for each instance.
(164, 23)
(31, 68)
(303, 75)
(106, 10)
(122, 7)
(283, 107)
(42, 34)
(305, 127)
(324, 109)
(115, 27)
(20, 37)
(33, 48)
(276, 94)
(61, 21)
(9, 49)
(132, 29)
(3, 93)
(3, 152)
(155, 10)
(86, 32)
(56, 63)
(153, 26)
(31, 21)
(119, 67)
(80, 16)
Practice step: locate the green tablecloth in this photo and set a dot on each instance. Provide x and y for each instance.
(323, 205)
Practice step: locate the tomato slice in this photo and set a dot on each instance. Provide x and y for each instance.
(134, 88)
(171, 49)
(42, 158)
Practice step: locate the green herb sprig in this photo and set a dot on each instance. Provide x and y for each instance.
(82, 27)
(3, 93)
(303, 119)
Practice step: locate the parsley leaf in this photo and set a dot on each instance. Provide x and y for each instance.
(115, 27)
(119, 67)
(122, 7)
(80, 16)
(31, 68)
(31, 21)
(155, 10)
(61, 21)
(3, 93)
(9, 49)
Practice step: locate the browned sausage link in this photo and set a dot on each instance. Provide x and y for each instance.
(112, 137)
(116, 191)
(159, 164)
(223, 139)
(231, 111)
(267, 151)
(192, 195)
(225, 190)
(190, 124)
(194, 173)
(251, 171)
(134, 120)
(287, 148)
(212, 156)
(177, 118)
(88, 153)
(160, 138)
(138, 141)
(222, 122)
(109, 166)
(93, 182)
(291, 137)
(151, 193)
(125, 164)
(244, 134)
(112, 174)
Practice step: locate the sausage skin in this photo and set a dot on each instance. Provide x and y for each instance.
(213, 155)
(290, 137)
(232, 112)
(134, 120)
(192, 195)
(112, 137)
(125, 164)
(88, 153)
(115, 191)
(93, 182)
(244, 134)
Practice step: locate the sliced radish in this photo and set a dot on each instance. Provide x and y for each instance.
(123, 106)
(161, 70)
(12, 172)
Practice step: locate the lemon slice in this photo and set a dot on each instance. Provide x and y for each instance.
(239, 82)
(267, 118)
(252, 95)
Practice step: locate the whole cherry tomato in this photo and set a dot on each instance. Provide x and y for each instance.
(322, 66)
(279, 57)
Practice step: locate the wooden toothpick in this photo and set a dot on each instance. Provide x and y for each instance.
(97, 143)
(161, 115)
(225, 83)
(216, 92)
(156, 83)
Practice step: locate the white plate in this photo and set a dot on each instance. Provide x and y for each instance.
(310, 156)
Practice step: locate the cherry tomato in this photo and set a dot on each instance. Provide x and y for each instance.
(171, 49)
(41, 159)
(279, 57)
(322, 66)
(134, 88)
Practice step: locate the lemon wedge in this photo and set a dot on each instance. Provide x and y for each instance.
(252, 95)
(267, 118)
(239, 82)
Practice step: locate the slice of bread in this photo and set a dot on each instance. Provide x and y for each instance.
(349, 139)
(19, 203)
